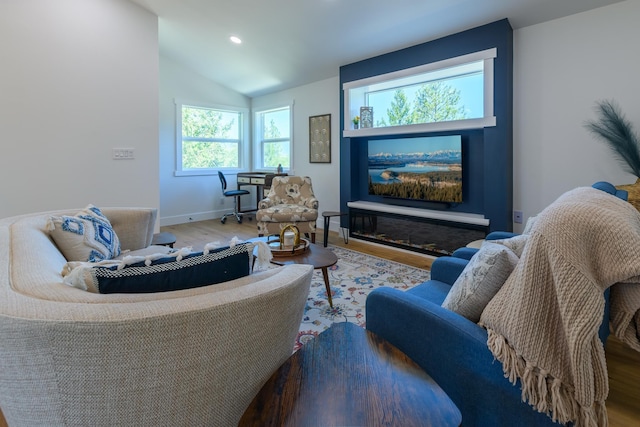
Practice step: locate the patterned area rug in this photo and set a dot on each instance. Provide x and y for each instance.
(351, 279)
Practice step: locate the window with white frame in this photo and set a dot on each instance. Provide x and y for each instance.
(272, 144)
(209, 138)
(455, 93)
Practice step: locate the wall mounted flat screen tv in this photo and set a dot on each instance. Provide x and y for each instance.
(421, 168)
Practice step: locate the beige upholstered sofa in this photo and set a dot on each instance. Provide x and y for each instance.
(190, 357)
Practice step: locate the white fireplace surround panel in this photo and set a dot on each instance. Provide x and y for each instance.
(460, 217)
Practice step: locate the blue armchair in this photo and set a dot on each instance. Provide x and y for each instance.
(453, 349)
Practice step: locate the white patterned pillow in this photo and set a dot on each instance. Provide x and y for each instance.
(480, 280)
(516, 243)
(87, 236)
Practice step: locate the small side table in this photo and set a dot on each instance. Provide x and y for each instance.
(316, 256)
(327, 215)
(164, 239)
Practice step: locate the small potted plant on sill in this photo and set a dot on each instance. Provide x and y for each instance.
(356, 122)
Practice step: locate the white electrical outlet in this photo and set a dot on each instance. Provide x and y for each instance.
(123, 153)
(517, 217)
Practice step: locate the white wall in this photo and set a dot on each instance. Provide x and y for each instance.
(189, 198)
(314, 99)
(196, 198)
(77, 79)
(561, 69)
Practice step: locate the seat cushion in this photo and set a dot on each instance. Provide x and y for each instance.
(287, 213)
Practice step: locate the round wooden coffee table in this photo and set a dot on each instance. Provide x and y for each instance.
(315, 255)
(348, 376)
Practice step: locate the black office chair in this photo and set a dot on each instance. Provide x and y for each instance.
(231, 193)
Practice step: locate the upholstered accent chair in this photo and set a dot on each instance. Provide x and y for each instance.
(290, 201)
(452, 348)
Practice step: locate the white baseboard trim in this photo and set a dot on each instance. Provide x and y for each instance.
(192, 217)
(203, 216)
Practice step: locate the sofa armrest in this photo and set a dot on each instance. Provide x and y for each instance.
(134, 226)
(499, 235)
(453, 351)
(467, 253)
(447, 269)
(464, 253)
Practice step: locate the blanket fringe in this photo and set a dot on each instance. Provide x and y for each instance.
(542, 391)
(264, 256)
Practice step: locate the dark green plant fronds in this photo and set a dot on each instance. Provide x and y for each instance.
(617, 132)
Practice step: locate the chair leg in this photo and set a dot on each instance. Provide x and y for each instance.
(345, 234)
(237, 214)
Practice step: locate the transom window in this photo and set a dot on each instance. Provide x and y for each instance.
(272, 142)
(209, 139)
(457, 91)
(437, 96)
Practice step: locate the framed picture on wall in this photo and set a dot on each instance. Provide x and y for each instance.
(366, 117)
(320, 139)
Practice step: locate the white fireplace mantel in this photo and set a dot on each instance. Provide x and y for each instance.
(459, 217)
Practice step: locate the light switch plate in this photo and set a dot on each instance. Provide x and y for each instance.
(123, 154)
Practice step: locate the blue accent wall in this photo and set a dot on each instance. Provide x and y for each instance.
(487, 153)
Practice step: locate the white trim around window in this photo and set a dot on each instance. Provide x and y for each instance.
(283, 138)
(239, 135)
(354, 95)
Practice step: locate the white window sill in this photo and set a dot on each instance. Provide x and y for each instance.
(422, 128)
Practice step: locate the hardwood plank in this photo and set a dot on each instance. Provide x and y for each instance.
(623, 365)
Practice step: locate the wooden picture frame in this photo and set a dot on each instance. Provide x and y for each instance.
(320, 139)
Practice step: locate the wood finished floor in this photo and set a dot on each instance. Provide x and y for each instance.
(623, 363)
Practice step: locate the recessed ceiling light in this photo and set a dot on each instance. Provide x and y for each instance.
(235, 39)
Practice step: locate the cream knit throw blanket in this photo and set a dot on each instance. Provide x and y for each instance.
(543, 323)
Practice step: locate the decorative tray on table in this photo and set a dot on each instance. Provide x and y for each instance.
(283, 251)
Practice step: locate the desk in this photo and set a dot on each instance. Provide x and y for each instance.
(262, 182)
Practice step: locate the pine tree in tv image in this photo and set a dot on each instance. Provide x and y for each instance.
(424, 168)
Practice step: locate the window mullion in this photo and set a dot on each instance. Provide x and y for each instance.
(201, 139)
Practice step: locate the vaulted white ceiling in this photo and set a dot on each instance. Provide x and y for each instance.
(288, 43)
